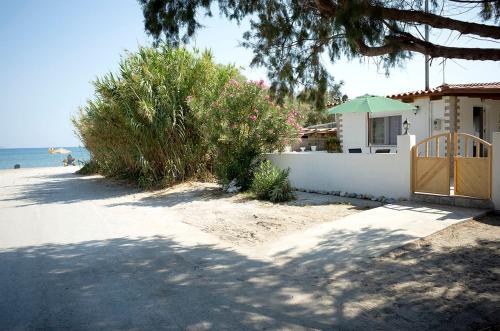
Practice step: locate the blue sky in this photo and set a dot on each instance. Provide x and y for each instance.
(51, 50)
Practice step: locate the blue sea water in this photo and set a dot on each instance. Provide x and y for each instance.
(38, 157)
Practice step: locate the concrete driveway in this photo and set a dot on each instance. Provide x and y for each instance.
(74, 256)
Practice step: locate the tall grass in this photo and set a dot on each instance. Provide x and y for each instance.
(139, 124)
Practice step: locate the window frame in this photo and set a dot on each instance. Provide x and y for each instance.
(387, 130)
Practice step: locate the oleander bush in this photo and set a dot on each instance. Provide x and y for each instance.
(271, 183)
(241, 124)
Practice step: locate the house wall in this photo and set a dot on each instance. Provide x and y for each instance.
(354, 131)
(353, 127)
(495, 185)
(375, 174)
(465, 113)
(492, 118)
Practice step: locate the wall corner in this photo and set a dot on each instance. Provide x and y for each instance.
(495, 171)
(405, 144)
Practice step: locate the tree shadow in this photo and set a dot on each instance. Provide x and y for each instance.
(157, 283)
(146, 283)
(71, 188)
(447, 212)
(419, 288)
(66, 188)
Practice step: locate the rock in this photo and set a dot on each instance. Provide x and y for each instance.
(343, 194)
(359, 196)
(232, 188)
(352, 195)
(17, 166)
(373, 199)
(390, 200)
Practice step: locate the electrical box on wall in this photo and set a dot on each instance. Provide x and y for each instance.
(437, 124)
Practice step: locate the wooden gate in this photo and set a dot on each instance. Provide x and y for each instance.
(472, 162)
(431, 165)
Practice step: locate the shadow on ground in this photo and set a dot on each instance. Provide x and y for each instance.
(71, 188)
(66, 188)
(154, 283)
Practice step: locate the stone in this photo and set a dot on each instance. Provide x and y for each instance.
(343, 194)
(232, 188)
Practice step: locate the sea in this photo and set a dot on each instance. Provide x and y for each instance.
(38, 157)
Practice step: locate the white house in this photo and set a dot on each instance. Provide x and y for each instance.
(465, 108)
(426, 163)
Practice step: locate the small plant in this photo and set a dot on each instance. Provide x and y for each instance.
(89, 168)
(271, 183)
(332, 145)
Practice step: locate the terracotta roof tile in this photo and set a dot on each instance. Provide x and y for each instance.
(493, 87)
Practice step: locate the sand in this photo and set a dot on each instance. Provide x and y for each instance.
(89, 253)
(447, 281)
(240, 220)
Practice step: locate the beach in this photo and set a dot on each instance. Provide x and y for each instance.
(39, 157)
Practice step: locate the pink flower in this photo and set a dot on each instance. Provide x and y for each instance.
(268, 98)
(253, 117)
(256, 111)
(234, 82)
(189, 98)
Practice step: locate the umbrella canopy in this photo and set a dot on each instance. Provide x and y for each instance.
(59, 151)
(371, 104)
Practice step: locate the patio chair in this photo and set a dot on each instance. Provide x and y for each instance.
(383, 150)
(354, 150)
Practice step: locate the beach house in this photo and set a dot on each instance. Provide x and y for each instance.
(472, 108)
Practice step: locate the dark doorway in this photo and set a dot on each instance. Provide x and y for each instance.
(478, 122)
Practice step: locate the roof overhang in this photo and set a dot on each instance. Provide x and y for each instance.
(475, 90)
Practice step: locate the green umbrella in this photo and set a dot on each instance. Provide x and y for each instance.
(371, 104)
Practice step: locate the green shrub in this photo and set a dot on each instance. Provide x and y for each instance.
(241, 124)
(332, 145)
(88, 168)
(271, 183)
(140, 126)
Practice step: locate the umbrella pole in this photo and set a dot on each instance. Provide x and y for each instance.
(369, 131)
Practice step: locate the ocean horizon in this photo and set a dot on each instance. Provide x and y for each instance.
(39, 157)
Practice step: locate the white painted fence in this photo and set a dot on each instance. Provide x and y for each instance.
(376, 174)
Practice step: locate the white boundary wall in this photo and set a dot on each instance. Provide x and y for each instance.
(376, 174)
(495, 184)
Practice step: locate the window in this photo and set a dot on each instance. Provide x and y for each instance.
(385, 130)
